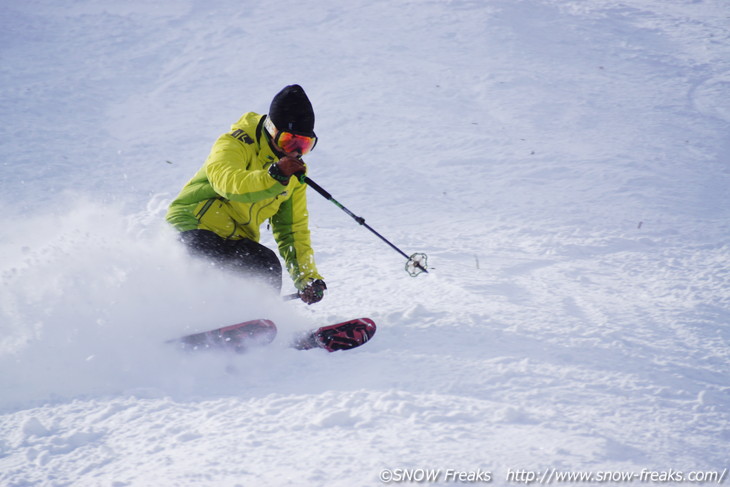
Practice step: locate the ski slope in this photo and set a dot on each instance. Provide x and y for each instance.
(564, 164)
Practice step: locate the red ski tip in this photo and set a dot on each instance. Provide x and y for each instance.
(341, 336)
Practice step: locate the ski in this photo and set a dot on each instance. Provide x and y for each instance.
(241, 337)
(237, 338)
(340, 336)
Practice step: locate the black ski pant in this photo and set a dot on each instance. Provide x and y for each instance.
(245, 256)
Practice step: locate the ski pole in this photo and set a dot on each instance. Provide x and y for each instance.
(416, 262)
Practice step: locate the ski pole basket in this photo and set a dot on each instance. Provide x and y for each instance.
(417, 263)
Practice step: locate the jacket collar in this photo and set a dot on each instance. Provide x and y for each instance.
(264, 141)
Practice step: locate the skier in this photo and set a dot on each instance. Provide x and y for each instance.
(251, 175)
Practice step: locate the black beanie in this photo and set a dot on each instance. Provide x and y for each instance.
(291, 111)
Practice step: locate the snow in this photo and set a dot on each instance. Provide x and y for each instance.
(564, 164)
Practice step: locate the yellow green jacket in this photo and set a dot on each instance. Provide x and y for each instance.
(233, 194)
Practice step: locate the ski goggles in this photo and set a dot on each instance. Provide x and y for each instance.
(288, 141)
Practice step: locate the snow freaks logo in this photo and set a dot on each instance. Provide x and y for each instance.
(425, 475)
(549, 476)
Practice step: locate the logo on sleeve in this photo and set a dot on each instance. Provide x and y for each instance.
(242, 136)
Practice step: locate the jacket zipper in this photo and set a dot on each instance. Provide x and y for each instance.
(205, 208)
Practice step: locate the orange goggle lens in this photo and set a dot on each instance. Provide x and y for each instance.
(290, 142)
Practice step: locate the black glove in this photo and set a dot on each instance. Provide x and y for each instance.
(285, 168)
(314, 292)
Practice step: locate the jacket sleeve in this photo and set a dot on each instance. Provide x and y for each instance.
(227, 169)
(290, 226)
